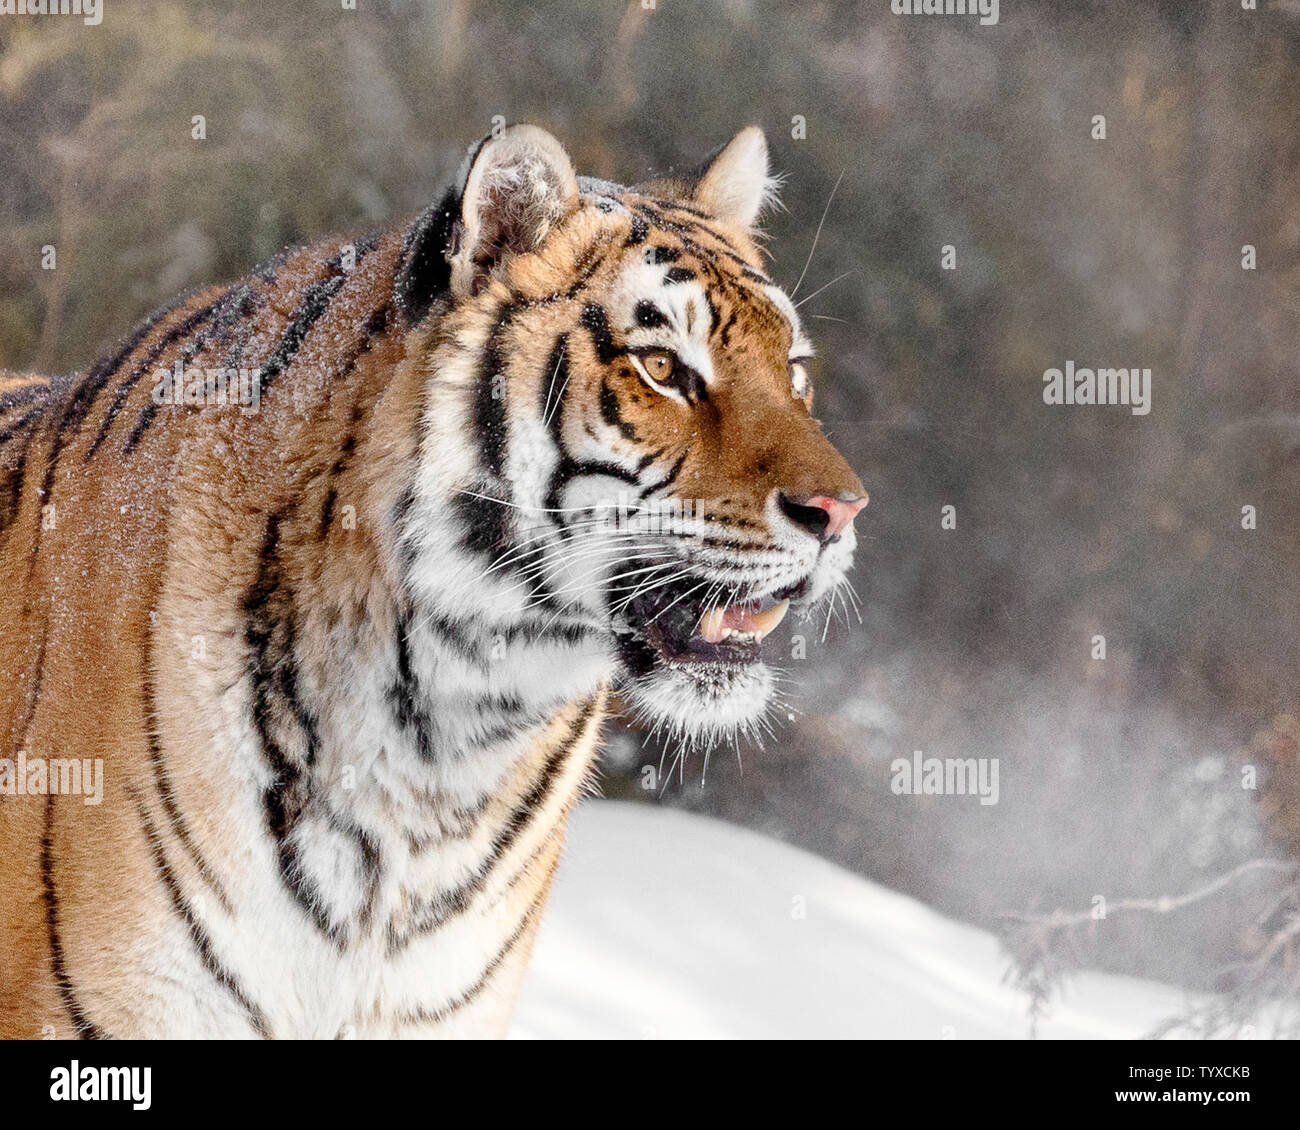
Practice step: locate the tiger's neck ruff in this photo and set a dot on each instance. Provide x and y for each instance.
(346, 659)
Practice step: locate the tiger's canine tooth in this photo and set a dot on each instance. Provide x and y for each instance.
(762, 623)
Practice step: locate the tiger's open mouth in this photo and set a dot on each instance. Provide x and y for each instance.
(683, 630)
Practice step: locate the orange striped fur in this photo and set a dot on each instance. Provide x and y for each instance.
(343, 683)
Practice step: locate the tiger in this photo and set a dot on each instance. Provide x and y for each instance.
(333, 661)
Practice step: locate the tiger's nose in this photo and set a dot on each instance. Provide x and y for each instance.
(820, 515)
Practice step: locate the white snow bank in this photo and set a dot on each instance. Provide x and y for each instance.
(669, 925)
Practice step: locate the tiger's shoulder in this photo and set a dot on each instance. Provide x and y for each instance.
(312, 308)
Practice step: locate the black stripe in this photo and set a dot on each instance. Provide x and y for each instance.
(648, 458)
(266, 271)
(500, 702)
(315, 301)
(423, 274)
(587, 265)
(233, 307)
(363, 246)
(679, 206)
(20, 424)
(273, 678)
(327, 508)
(649, 315)
(271, 610)
(485, 523)
(526, 867)
(198, 935)
(742, 523)
(490, 421)
(678, 275)
(528, 564)
(168, 337)
(11, 483)
(36, 397)
(669, 478)
(107, 366)
(725, 333)
(454, 824)
(408, 546)
(473, 650)
(19, 394)
(85, 1028)
(274, 674)
(715, 317)
(451, 633)
(33, 696)
(450, 904)
(230, 310)
(500, 716)
(567, 469)
(596, 321)
(574, 469)
(654, 212)
(731, 542)
(404, 695)
(449, 1008)
(489, 732)
(369, 856)
(612, 414)
(705, 254)
(555, 490)
(549, 629)
(638, 233)
(555, 384)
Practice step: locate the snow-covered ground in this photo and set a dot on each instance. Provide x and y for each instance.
(669, 925)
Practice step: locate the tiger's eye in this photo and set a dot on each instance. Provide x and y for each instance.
(658, 365)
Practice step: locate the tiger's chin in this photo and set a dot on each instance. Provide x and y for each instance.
(702, 705)
(696, 672)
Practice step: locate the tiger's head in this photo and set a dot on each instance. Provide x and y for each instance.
(647, 466)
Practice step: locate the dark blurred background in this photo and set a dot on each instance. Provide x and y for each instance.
(1118, 777)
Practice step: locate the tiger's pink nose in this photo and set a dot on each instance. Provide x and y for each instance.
(838, 512)
(822, 516)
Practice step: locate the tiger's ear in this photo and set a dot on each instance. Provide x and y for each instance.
(518, 185)
(734, 184)
(512, 189)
